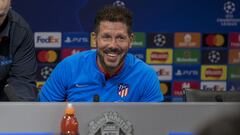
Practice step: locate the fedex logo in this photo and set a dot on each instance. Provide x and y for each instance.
(213, 86)
(47, 39)
(164, 72)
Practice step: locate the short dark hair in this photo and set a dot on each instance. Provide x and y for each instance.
(114, 13)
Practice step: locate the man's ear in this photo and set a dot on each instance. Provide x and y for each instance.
(93, 39)
(131, 39)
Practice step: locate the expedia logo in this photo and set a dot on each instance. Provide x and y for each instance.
(47, 39)
(110, 123)
(159, 56)
(211, 72)
(215, 40)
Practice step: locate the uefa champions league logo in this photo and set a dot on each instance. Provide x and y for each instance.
(119, 3)
(110, 124)
(229, 7)
(159, 40)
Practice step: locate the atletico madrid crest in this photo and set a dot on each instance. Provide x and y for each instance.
(123, 89)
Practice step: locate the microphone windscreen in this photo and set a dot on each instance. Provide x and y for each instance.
(96, 98)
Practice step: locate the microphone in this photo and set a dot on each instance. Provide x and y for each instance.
(11, 93)
(218, 98)
(96, 98)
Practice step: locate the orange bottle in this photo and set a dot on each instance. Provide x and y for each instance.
(69, 124)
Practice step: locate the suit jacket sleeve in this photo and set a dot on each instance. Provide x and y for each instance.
(24, 67)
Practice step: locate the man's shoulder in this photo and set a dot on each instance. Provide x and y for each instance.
(138, 64)
(17, 19)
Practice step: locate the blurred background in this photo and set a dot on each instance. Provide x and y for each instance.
(190, 44)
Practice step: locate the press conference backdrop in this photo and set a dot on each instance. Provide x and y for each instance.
(190, 44)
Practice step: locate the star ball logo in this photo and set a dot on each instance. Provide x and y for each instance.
(229, 8)
(160, 40)
(44, 71)
(119, 3)
(214, 56)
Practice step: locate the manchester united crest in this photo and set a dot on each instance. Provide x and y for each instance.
(110, 123)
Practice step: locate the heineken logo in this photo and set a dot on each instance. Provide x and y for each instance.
(110, 123)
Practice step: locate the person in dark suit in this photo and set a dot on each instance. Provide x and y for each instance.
(18, 63)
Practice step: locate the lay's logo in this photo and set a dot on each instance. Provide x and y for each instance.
(214, 73)
(47, 39)
(159, 56)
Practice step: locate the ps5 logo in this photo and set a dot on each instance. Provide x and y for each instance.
(110, 124)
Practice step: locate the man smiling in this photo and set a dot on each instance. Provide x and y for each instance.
(108, 74)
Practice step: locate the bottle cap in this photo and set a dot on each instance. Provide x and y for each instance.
(69, 109)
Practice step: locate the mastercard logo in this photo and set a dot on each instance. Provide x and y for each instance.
(215, 40)
(48, 56)
(164, 88)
